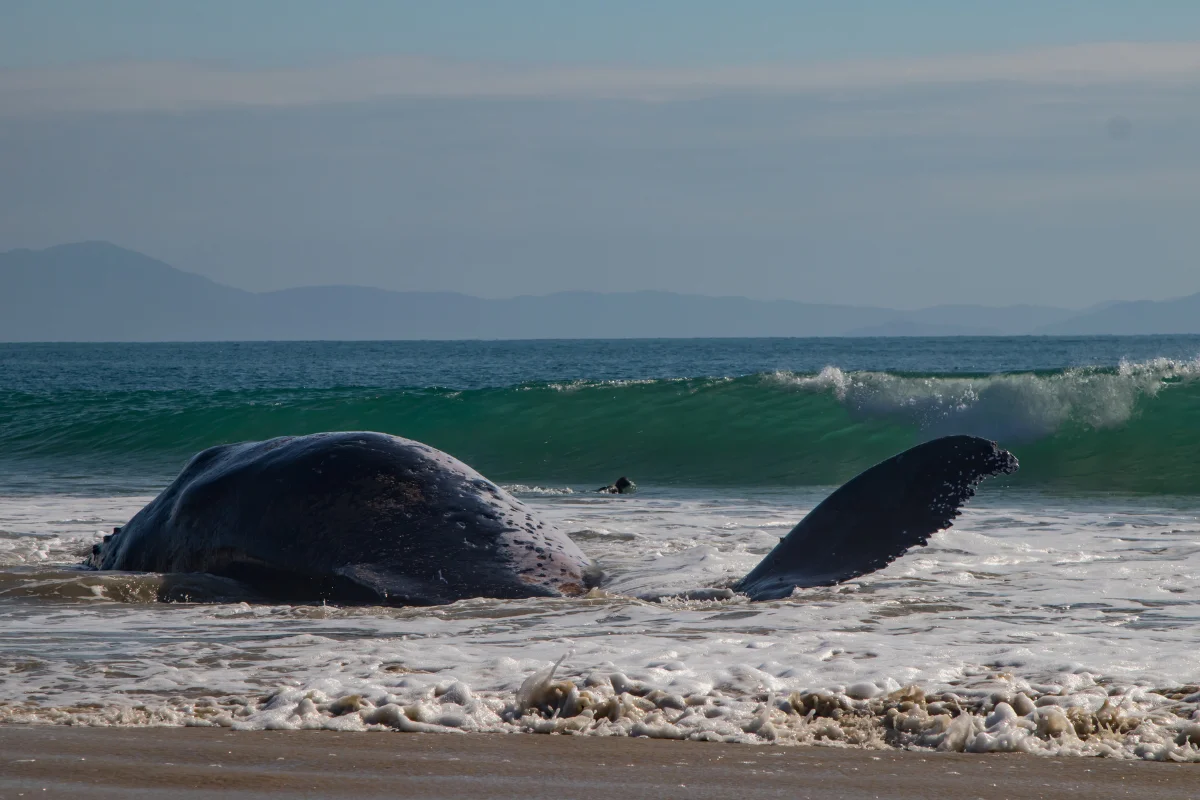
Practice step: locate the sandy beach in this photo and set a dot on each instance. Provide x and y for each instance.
(54, 761)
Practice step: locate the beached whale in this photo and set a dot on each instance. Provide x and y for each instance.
(373, 518)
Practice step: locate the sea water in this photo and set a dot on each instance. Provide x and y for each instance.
(1057, 616)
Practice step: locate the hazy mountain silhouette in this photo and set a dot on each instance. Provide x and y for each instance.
(1181, 315)
(906, 327)
(95, 291)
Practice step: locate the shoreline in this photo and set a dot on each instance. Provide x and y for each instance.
(202, 763)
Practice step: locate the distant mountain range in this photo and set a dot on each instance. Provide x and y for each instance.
(95, 291)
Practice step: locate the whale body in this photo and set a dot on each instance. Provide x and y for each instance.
(348, 517)
(361, 517)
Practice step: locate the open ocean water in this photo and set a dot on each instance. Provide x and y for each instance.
(1058, 616)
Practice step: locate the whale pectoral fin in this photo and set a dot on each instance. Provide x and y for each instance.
(878, 515)
(387, 588)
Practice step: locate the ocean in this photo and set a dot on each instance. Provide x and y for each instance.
(1058, 616)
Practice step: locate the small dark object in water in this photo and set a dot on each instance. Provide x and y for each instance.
(622, 486)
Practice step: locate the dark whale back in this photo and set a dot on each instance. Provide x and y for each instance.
(349, 517)
(874, 518)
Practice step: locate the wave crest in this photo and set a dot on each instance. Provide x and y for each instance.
(1017, 407)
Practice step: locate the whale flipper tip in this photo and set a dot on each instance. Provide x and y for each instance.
(877, 516)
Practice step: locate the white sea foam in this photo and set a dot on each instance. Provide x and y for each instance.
(1054, 630)
(524, 489)
(1010, 407)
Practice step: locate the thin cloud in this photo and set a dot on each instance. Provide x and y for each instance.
(180, 86)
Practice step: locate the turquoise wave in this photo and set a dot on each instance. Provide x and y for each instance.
(1132, 429)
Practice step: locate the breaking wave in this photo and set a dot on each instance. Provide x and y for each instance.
(1130, 429)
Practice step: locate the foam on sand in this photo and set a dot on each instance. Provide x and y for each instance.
(995, 713)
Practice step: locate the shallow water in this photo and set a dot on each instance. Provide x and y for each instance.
(1024, 594)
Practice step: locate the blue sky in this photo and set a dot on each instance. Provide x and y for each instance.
(886, 153)
(44, 32)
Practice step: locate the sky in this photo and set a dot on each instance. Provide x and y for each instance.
(881, 153)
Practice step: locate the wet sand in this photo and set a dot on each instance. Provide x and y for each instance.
(194, 763)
